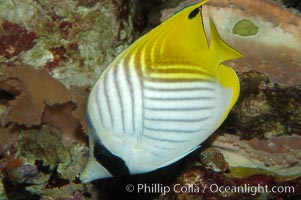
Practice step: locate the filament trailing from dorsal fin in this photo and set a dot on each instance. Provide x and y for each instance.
(219, 48)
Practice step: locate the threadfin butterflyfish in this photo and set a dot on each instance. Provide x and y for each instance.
(160, 98)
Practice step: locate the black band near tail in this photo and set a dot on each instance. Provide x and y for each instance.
(114, 164)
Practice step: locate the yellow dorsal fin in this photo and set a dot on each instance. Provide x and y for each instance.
(218, 48)
(187, 28)
(181, 38)
(178, 48)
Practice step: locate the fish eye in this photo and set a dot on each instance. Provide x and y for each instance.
(193, 13)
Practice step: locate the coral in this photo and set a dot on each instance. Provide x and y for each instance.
(279, 34)
(40, 99)
(253, 106)
(51, 52)
(25, 81)
(47, 169)
(15, 39)
(58, 56)
(201, 183)
(245, 28)
(20, 172)
(280, 155)
(73, 40)
(2, 190)
(55, 50)
(7, 139)
(263, 130)
(264, 127)
(264, 109)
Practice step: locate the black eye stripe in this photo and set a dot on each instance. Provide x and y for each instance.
(193, 13)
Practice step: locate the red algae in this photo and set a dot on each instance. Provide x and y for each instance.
(58, 57)
(201, 183)
(56, 181)
(64, 26)
(55, 51)
(14, 164)
(14, 39)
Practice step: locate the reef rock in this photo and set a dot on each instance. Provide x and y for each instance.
(36, 98)
(274, 49)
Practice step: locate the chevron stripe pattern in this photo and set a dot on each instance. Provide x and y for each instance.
(163, 106)
(160, 98)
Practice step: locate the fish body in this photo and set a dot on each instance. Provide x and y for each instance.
(160, 98)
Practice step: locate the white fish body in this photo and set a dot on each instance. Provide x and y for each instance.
(154, 104)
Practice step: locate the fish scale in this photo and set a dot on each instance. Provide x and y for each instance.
(160, 98)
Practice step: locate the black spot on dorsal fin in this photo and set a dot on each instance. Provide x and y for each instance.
(193, 13)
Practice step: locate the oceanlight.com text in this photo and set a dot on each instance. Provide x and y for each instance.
(251, 189)
(158, 188)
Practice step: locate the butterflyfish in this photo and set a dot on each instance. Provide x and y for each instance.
(160, 98)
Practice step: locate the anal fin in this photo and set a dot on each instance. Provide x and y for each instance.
(93, 171)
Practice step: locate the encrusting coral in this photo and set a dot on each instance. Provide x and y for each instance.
(200, 183)
(43, 133)
(40, 99)
(64, 37)
(273, 50)
(42, 119)
(33, 90)
(51, 52)
(280, 155)
(260, 142)
(47, 169)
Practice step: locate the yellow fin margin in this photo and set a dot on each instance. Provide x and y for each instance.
(228, 79)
